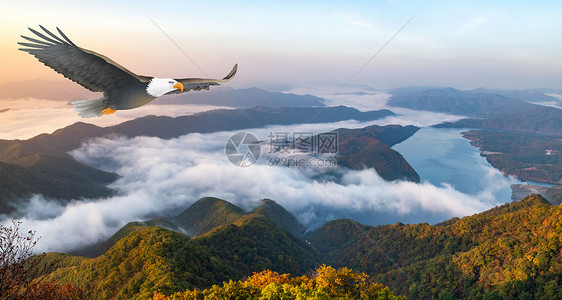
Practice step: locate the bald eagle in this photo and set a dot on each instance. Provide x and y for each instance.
(122, 89)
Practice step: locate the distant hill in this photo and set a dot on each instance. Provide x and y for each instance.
(528, 95)
(209, 213)
(44, 89)
(552, 194)
(410, 90)
(449, 100)
(488, 110)
(526, 156)
(47, 153)
(243, 98)
(72, 136)
(60, 182)
(509, 252)
(280, 216)
(541, 120)
(369, 147)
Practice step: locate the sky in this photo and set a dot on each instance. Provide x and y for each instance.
(463, 44)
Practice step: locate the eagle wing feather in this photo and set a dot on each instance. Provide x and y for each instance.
(91, 70)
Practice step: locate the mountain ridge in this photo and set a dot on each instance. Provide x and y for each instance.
(370, 147)
(490, 254)
(243, 98)
(458, 257)
(485, 110)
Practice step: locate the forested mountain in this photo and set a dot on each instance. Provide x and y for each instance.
(369, 147)
(46, 160)
(542, 120)
(209, 213)
(55, 177)
(144, 259)
(453, 101)
(488, 110)
(511, 251)
(526, 156)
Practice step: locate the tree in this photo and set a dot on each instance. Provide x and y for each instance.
(21, 272)
(16, 264)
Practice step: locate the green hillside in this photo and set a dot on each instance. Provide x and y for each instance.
(145, 259)
(143, 262)
(526, 156)
(60, 182)
(209, 213)
(511, 251)
(369, 147)
(487, 110)
(280, 216)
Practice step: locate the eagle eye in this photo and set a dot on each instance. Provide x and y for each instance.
(170, 82)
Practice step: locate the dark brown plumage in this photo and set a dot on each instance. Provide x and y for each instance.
(122, 89)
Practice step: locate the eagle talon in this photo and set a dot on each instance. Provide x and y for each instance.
(108, 111)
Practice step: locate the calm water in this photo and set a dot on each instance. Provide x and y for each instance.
(443, 156)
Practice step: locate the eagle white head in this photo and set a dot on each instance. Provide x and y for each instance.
(160, 86)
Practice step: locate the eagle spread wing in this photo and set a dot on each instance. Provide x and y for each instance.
(198, 84)
(122, 88)
(87, 68)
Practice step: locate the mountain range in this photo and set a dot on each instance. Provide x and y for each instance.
(44, 162)
(141, 258)
(510, 251)
(453, 101)
(243, 98)
(488, 111)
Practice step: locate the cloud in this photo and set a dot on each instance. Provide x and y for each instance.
(368, 100)
(353, 21)
(473, 24)
(26, 118)
(163, 177)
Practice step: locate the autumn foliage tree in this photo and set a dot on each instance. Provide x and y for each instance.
(21, 271)
(325, 283)
(16, 266)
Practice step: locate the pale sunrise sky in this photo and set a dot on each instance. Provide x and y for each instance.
(463, 44)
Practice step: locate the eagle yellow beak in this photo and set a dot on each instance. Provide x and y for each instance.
(179, 86)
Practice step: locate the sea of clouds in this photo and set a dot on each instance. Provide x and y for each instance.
(161, 177)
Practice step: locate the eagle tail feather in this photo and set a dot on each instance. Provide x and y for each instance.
(89, 108)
